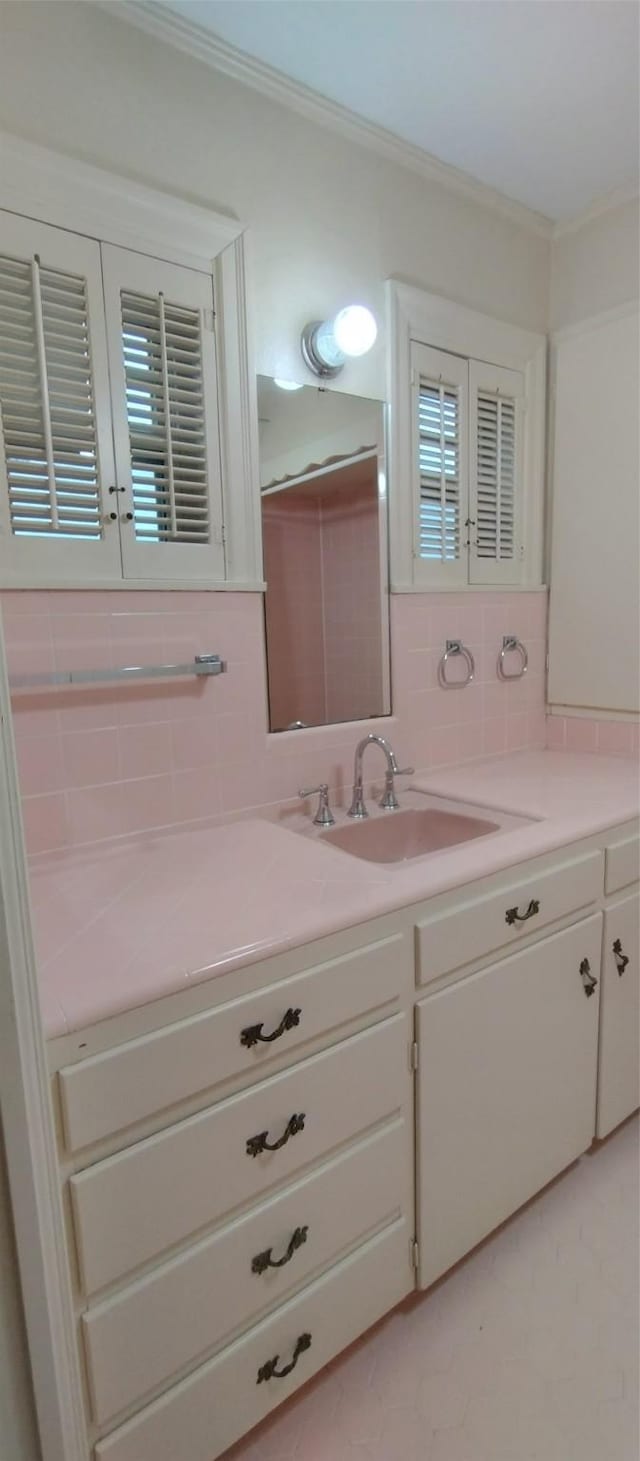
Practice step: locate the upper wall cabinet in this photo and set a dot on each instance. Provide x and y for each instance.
(467, 460)
(467, 447)
(125, 450)
(594, 651)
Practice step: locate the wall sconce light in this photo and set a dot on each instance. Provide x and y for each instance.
(326, 344)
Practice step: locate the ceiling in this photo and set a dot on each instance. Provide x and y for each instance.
(539, 99)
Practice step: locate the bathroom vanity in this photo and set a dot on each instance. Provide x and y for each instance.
(266, 1157)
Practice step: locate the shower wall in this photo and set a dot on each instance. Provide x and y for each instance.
(323, 605)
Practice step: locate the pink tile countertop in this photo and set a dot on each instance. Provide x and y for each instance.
(122, 925)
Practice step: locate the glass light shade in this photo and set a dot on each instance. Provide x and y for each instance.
(325, 344)
(326, 349)
(288, 385)
(355, 330)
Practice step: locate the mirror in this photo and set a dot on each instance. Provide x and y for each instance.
(324, 527)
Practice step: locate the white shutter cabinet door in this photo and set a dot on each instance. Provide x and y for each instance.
(496, 473)
(162, 360)
(56, 453)
(439, 406)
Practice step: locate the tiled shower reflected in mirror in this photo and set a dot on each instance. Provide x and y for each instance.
(324, 529)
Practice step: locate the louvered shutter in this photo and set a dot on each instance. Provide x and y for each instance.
(495, 473)
(54, 407)
(440, 457)
(162, 355)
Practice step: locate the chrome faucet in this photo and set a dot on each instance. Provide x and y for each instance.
(389, 800)
(324, 816)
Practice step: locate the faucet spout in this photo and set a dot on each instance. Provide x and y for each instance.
(389, 800)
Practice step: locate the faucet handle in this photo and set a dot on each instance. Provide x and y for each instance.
(324, 816)
(389, 801)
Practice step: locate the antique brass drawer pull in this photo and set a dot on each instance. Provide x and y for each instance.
(620, 957)
(589, 982)
(513, 916)
(268, 1371)
(261, 1143)
(253, 1035)
(263, 1261)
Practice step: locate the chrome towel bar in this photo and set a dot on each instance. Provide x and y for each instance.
(202, 664)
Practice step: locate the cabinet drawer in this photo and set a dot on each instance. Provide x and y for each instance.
(622, 865)
(135, 1205)
(199, 1418)
(619, 1050)
(468, 932)
(111, 1091)
(219, 1286)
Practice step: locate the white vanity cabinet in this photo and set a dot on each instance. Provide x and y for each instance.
(251, 1178)
(506, 1088)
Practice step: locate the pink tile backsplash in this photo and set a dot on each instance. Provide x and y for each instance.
(581, 733)
(106, 762)
(489, 716)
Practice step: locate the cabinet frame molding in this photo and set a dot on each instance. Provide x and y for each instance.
(75, 196)
(29, 1137)
(444, 324)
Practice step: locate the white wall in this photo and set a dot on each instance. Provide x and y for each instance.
(596, 267)
(18, 1438)
(329, 219)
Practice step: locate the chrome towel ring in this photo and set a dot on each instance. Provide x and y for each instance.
(509, 644)
(454, 647)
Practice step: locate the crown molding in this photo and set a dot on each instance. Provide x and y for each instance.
(69, 193)
(594, 322)
(156, 19)
(606, 203)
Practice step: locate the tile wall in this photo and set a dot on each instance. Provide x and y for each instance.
(107, 762)
(351, 574)
(293, 569)
(322, 563)
(581, 733)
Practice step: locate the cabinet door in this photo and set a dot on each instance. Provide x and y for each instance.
(619, 1055)
(506, 1089)
(593, 604)
(162, 362)
(56, 451)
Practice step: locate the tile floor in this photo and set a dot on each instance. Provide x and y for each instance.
(528, 1351)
